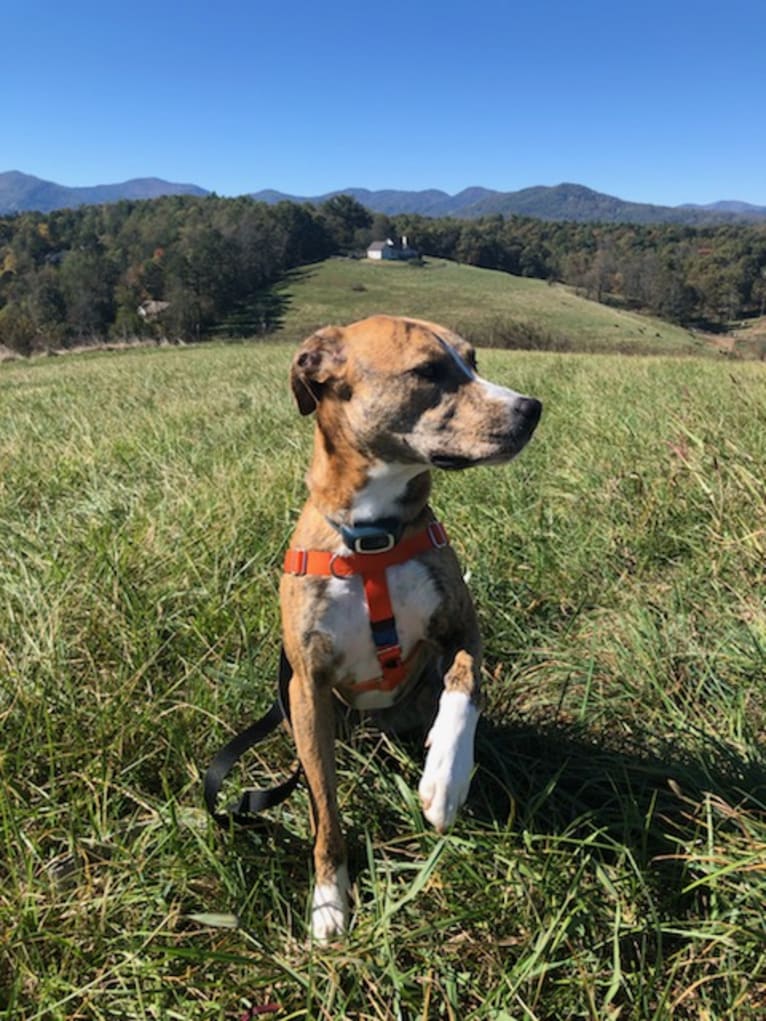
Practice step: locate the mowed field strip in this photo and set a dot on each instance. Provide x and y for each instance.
(477, 302)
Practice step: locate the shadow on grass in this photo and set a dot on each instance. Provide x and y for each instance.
(560, 780)
(554, 780)
(554, 775)
(263, 314)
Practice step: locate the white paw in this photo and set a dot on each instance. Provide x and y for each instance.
(329, 908)
(449, 763)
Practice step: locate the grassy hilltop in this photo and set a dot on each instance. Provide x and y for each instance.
(490, 307)
(610, 862)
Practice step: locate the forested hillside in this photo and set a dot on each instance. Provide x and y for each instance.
(184, 267)
(80, 275)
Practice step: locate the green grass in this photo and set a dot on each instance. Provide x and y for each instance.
(492, 308)
(610, 862)
(749, 338)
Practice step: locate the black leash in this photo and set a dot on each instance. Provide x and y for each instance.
(244, 810)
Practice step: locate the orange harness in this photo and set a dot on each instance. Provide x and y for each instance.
(372, 567)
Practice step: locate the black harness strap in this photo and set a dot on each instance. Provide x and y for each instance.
(243, 810)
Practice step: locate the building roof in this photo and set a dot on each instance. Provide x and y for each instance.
(150, 309)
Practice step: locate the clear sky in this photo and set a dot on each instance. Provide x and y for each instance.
(652, 101)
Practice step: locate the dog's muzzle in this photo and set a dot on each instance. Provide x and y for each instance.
(500, 445)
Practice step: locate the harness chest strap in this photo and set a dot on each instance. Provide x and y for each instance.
(372, 567)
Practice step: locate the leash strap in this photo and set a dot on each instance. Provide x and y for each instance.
(242, 810)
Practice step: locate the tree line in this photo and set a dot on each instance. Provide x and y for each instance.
(186, 267)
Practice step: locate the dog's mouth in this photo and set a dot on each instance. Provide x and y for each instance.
(502, 453)
(448, 463)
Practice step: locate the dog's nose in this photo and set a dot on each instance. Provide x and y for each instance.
(530, 409)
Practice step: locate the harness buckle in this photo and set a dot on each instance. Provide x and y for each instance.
(389, 655)
(438, 535)
(375, 542)
(370, 537)
(299, 562)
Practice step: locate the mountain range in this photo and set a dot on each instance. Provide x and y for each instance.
(559, 202)
(20, 192)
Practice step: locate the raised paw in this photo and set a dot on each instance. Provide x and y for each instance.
(447, 773)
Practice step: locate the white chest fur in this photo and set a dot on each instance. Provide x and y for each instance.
(415, 599)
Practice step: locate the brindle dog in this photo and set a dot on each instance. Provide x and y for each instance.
(393, 398)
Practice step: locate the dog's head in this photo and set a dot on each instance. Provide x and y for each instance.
(407, 391)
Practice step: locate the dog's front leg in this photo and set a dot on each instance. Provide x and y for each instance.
(449, 762)
(313, 724)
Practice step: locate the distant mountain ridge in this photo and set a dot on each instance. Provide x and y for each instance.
(558, 202)
(21, 192)
(730, 206)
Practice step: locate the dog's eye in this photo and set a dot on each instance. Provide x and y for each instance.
(432, 372)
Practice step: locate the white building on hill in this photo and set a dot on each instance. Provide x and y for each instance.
(389, 249)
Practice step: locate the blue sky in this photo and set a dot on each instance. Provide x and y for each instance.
(655, 102)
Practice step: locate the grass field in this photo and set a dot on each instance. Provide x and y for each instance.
(750, 338)
(492, 307)
(611, 861)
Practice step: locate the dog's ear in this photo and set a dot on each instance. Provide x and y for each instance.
(318, 361)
